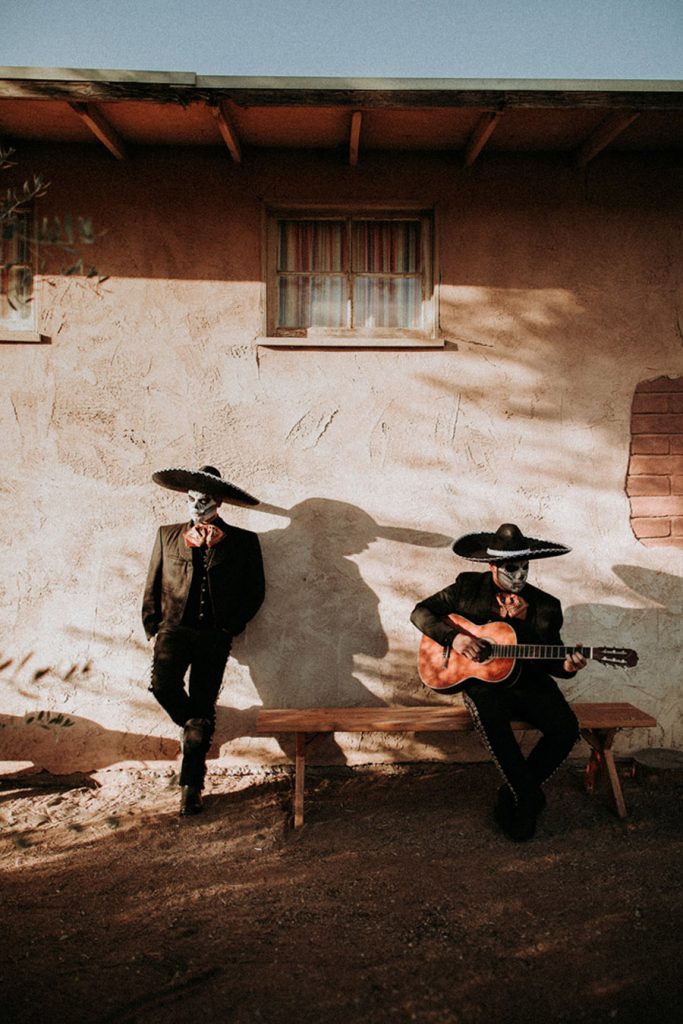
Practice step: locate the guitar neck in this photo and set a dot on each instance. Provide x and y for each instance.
(533, 652)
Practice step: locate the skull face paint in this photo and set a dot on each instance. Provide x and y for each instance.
(202, 508)
(511, 576)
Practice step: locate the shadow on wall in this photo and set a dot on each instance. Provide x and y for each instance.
(652, 684)
(319, 614)
(656, 626)
(318, 617)
(60, 743)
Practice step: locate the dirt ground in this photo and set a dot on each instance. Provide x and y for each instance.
(398, 901)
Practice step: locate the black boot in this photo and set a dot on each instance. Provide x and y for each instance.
(517, 818)
(190, 801)
(505, 808)
(523, 823)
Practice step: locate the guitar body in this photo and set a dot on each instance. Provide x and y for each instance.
(458, 669)
(444, 669)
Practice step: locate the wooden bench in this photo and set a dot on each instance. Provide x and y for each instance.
(599, 724)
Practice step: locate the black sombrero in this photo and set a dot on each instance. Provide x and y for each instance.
(508, 543)
(206, 480)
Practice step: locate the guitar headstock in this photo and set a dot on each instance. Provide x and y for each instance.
(617, 657)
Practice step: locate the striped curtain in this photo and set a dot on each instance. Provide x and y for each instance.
(16, 276)
(349, 273)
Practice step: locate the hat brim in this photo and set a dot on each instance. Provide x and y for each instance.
(482, 547)
(206, 483)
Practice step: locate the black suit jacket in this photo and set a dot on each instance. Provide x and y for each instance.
(235, 579)
(473, 595)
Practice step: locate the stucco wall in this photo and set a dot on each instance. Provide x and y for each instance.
(559, 293)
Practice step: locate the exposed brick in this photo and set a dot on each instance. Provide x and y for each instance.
(661, 384)
(657, 423)
(671, 506)
(651, 402)
(651, 527)
(656, 465)
(648, 485)
(650, 444)
(655, 473)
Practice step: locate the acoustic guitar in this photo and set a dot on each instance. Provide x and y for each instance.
(442, 668)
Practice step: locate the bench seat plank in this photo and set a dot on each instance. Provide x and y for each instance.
(598, 723)
(428, 719)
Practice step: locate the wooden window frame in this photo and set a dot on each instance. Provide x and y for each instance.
(351, 337)
(14, 328)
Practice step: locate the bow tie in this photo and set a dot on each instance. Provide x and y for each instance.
(203, 533)
(511, 606)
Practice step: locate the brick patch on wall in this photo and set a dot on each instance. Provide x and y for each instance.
(654, 482)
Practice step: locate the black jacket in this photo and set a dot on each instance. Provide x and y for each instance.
(473, 595)
(235, 578)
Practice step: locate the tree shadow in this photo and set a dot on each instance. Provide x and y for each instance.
(63, 743)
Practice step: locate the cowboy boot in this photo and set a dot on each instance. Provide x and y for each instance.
(517, 818)
(190, 800)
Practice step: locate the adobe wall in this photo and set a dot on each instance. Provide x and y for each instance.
(559, 294)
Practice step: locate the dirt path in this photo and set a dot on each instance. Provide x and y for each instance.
(398, 901)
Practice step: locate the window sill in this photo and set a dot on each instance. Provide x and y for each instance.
(330, 340)
(15, 337)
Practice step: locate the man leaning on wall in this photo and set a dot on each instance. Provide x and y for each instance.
(205, 582)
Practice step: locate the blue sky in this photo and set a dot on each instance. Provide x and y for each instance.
(405, 38)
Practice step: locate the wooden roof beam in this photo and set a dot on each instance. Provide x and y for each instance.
(100, 127)
(227, 129)
(354, 137)
(481, 135)
(604, 134)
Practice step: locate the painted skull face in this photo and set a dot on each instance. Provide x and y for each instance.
(511, 576)
(201, 507)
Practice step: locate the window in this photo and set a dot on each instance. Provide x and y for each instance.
(341, 275)
(16, 275)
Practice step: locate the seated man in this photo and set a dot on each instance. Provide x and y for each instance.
(532, 695)
(205, 582)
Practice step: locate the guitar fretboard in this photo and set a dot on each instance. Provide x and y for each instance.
(529, 652)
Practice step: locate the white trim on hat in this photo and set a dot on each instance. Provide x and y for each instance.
(513, 554)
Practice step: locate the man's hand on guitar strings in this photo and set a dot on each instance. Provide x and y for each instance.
(468, 646)
(575, 661)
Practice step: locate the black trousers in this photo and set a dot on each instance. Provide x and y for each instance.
(205, 652)
(535, 698)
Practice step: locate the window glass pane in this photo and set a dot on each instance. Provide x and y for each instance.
(310, 245)
(386, 246)
(312, 302)
(19, 289)
(387, 302)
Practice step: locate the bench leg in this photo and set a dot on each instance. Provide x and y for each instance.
(299, 778)
(601, 765)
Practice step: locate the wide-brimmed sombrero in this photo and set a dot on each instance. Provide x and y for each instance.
(507, 544)
(206, 480)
